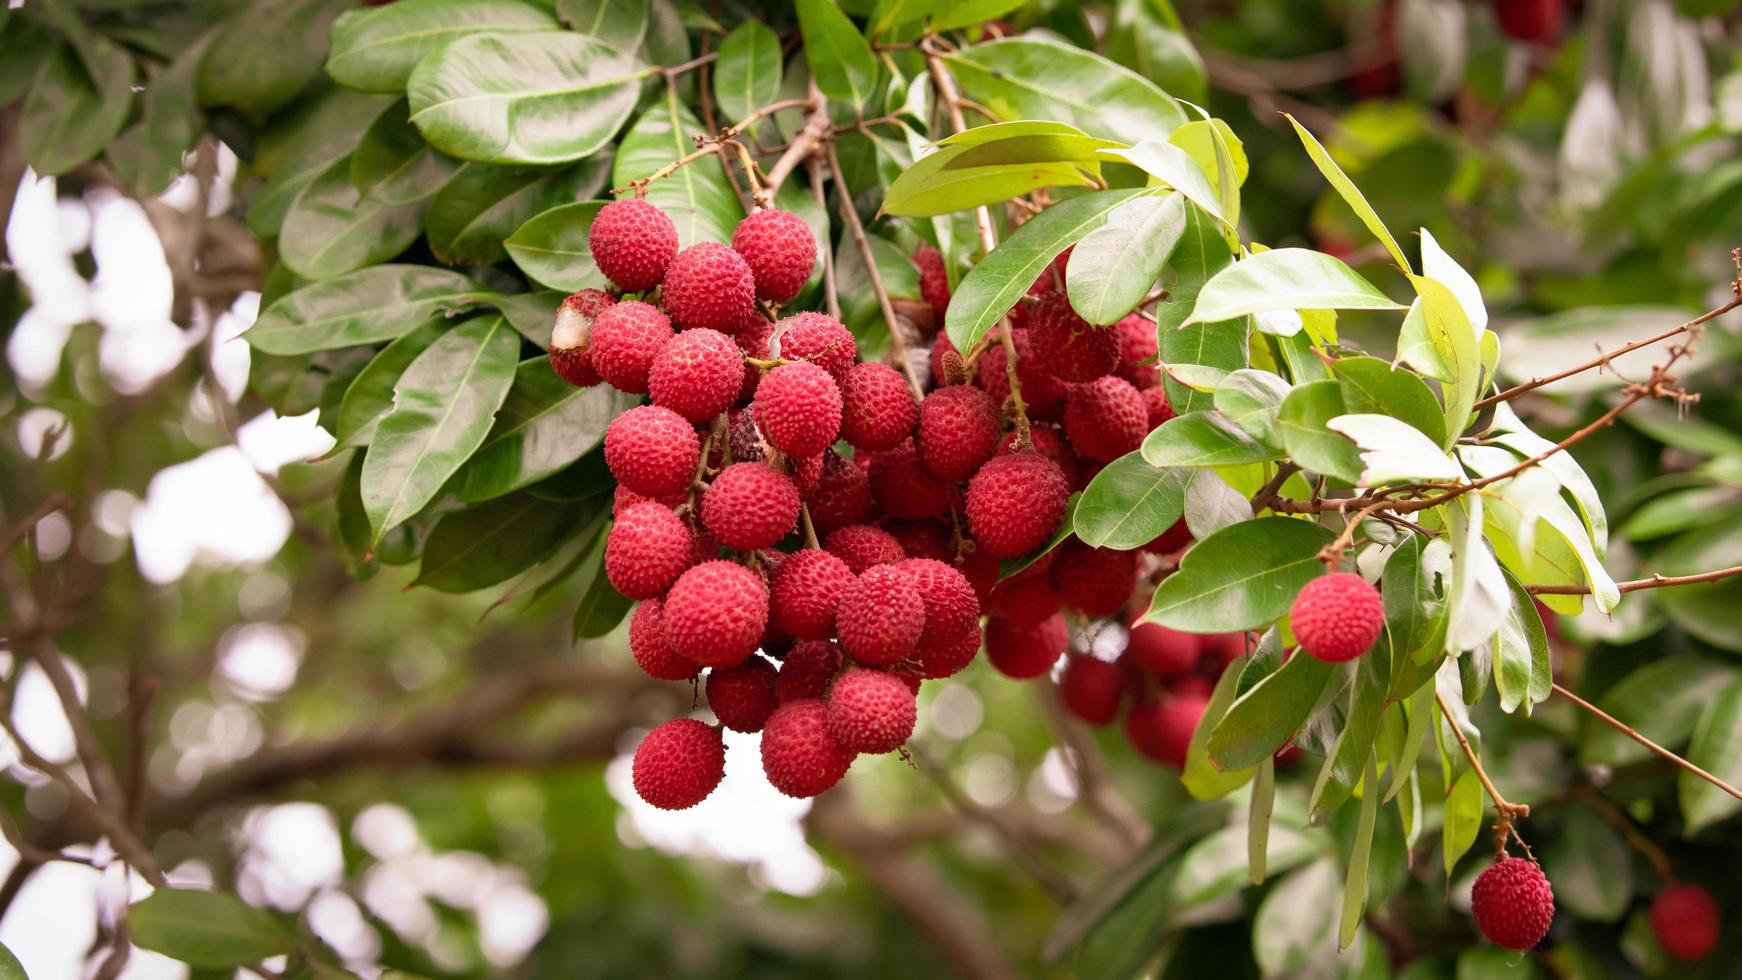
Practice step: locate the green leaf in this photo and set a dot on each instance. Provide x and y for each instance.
(1303, 420)
(1355, 742)
(365, 307)
(1251, 399)
(67, 117)
(482, 546)
(1258, 820)
(10, 968)
(370, 394)
(602, 607)
(1372, 386)
(840, 59)
(1453, 338)
(443, 407)
(1200, 439)
(524, 98)
(990, 289)
(991, 164)
(483, 204)
(1220, 155)
(1174, 168)
(956, 14)
(318, 133)
(1240, 578)
(1393, 451)
(1463, 819)
(1113, 268)
(331, 230)
(1201, 777)
(375, 48)
(1130, 503)
(1216, 866)
(1523, 671)
(532, 315)
(551, 248)
(1295, 920)
(1268, 715)
(1201, 252)
(265, 56)
(1344, 186)
(148, 155)
(1591, 867)
(206, 929)
(26, 45)
(1661, 700)
(1031, 77)
(748, 74)
(1355, 888)
(620, 23)
(1512, 433)
(699, 198)
(1286, 279)
(544, 424)
(393, 165)
(1415, 612)
(1716, 748)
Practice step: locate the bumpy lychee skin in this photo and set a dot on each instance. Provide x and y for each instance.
(871, 711)
(1042, 394)
(571, 338)
(1105, 419)
(1070, 347)
(647, 644)
(1161, 651)
(934, 279)
(780, 250)
(653, 451)
(1025, 650)
(1091, 689)
(1156, 406)
(743, 696)
(948, 658)
(1162, 730)
(947, 367)
(626, 338)
(840, 496)
(881, 616)
(950, 604)
(799, 756)
(715, 614)
(697, 374)
(1137, 350)
(904, 488)
(877, 409)
(818, 338)
(709, 285)
(804, 592)
(1049, 442)
(1192, 686)
(862, 546)
(798, 407)
(923, 539)
(678, 764)
(958, 430)
(647, 549)
(808, 671)
(632, 242)
(1685, 920)
(1337, 617)
(1026, 598)
(1015, 503)
(750, 506)
(1513, 903)
(1094, 581)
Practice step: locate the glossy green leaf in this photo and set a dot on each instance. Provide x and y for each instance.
(264, 56)
(1174, 168)
(956, 14)
(1355, 887)
(1130, 503)
(331, 230)
(748, 74)
(1267, 716)
(530, 98)
(1114, 267)
(551, 248)
(370, 394)
(1201, 252)
(1350, 193)
(1448, 330)
(1286, 279)
(1251, 399)
(1463, 819)
(1373, 386)
(1360, 729)
(1523, 671)
(1200, 439)
(1296, 919)
(1716, 748)
(1216, 866)
(367, 306)
(699, 198)
(483, 204)
(1258, 820)
(486, 545)
(544, 425)
(26, 44)
(443, 408)
(1415, 614)
(375, 48)
(991, 164)
(206, 929)
(10, 968)
(316, 135)
(73, 109)
(532, 315)
(620, 23)
(393, 165)
(1242, 577)
(1302, 420)
(1591, 867)
(840, 59)
(1201, 777)
(147, 156)
(1031, 77)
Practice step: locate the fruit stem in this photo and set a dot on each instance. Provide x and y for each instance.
(810, 529)
(850, 214)
(1507, 811)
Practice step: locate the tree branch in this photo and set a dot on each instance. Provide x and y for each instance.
(1629, 731)
(1654, 582)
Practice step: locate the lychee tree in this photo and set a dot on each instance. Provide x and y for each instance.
(821, 348)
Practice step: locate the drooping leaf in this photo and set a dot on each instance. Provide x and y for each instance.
(1241, 577)
(1174, 168)
(1355, 742)
(488, 544)
(551, 248)
(1476, 598)
(1286, 279)
(1523, 671)
(1030, 77)
(1346, 188)
(1251, 399)
(1130, 503)
(206, 929)
(1115, 266)
(1267, 716)
(544, 425)
(1355, 887)
(840, 59)
(1592, 867)
(1201, 777)
(991, 164)
(1393, 451)
(602, 607)
(370, 394)
(1295, 921)
(1453, 338)
(331, 230)
(367, 306)
(1216, 865)
(1258, 820)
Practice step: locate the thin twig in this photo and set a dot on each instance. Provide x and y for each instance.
(1654, 582)
(850, 214)
(831, 295)
(1631, 733)
(1268, 492)
(1507, 811)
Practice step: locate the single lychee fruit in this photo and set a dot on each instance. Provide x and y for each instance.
(743, 696)
(862, 546)
(1137, 351)
(715, 614)
(934, 279)
(652, 450)
(709, 285)
(1070, 347)
(1192, 686)
(877, 408)
(904, 488)
(1161, 651)
(632, 242)
(950, 604)
(840, 496)
(1049, 442)
(1105, 419)
(678, 764)
(1513, 903)
(1531, 21)
(818, 338)
(571, 338)
(958, 430)
(1162, 730)
(805, 590)
(1091, 689)
(1026, 598)
(647, 548)
(981, 568)
(626, 338)
(1042, 394)
(808, 671)
(1337, 617)
(647, 644)
(780, 250)
(1024, 650)
(871, 711)
(1685, 920)
(1096, 582)
(799, 756)
(697, 374)
(948, 657)
(750, 506)
(798, 407)
(1156, 406)
(881, 616)
(1015, 503)
(624, 498)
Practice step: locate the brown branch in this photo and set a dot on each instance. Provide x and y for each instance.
(831, 295)
(1629, 731)
(1100, 798)
(1268, 492)
(850, 214)
(1654, 582)
(57, 500)
(809, 139)
(1507, 811)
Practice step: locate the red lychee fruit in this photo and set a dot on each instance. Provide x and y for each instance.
(799, 756)
(1161, 651)
(871, 711)
(804, 592)
(1513, 903)
(818, 338)
(1531, 21)
(715, 614)
(750, 506)
(949, 657)
(841, 495)
(798, 407)
(697, 374)
(934, 279)
(1337, 617)
(958, 430)
(1685, 920)
(1024, 650)
(1218, 650)
(753, 341)
(647, 548)
(571, 338)
(1015, 503)
(877, 408)
(626, 338)
(647, 644)
(1096, 582)
(951, 607)
(632, 242)
(862, 546)
(1105, 419)
(808, 671)
(678, 764)
(1173, 539)
(1091, 689)
(1026, 598)
(1071, 348)
(1048, 442)
(709, 285)
(1162, 730)
(1156, 407)
(652, 450)
(780, 250)
(1192, 686)
(1137, 350)
(743, 696)
(624, 498)
(904, 488)
(881, 616)
(1042, 394)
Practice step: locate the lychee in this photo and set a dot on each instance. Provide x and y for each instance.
(1513, 903)
(1096, 582)
(862, 546)
(1026, 598)
(626, 338)
(743, 696)
(798, 407)
(678, 764)
(647, 644)
(1091, 689)
(697, 374)
(632, 242)
(1161, 651)
(958, 430)
(1137, 350)
(799, 756)
(904, 488)
(1105, 419)
(1192, 686)
(948, 657)
(647, 548)
(1162, 730)
(1218, 650)
(1049, 442)
(818, 338)
(652, 450)
(750, 506)
(922, 539)
(1337, 617)
(1177, 536)
(1042, 393)
(780, 250)
(715, 614)
(1685, 920)
(881, 616)
(1015, 503)
(1070, 347)
(1024, 650)
(877, 408)
(571, 338)
(804, 592)
(950, 604)
(1157, 409)
(871, 711)
(709, 285)
(840, 496)
(934, 279)
(808, 671)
